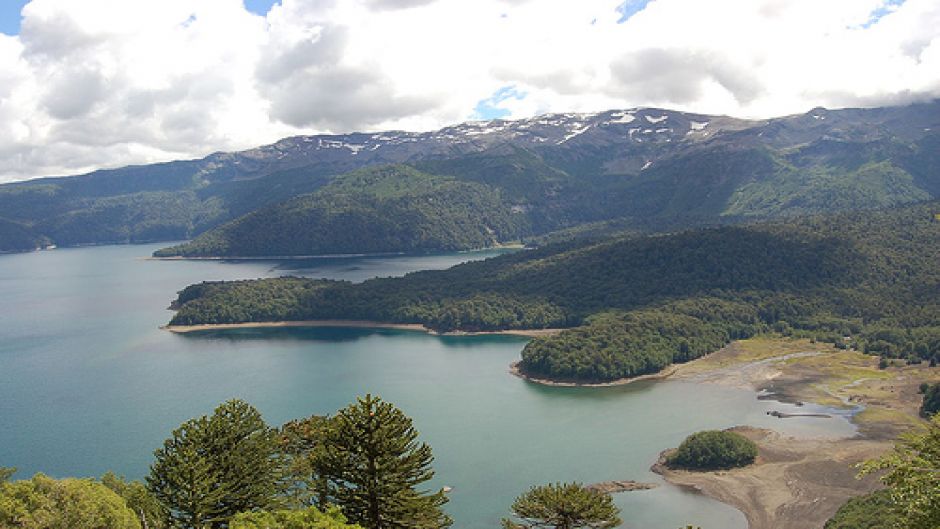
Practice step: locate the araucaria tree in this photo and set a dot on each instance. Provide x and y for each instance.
(563, 506)
(212, 468)
(372, 465)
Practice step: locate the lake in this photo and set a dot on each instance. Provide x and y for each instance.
(89, 383)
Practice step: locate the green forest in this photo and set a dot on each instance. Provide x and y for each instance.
(633, 305)
(378, 210)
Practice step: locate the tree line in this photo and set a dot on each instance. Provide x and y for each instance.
(867, 280)
(364, 468)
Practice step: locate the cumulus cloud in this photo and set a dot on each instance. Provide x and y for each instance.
(104, 83)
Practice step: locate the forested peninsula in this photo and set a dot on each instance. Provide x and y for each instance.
(633, 305)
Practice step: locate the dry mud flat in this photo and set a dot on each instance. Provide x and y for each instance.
(799, 483)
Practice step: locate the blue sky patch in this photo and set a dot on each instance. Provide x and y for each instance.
(889, 7)
(10, 16)
(260, 7)
(10, 12)
(629, 8)
(488, 108)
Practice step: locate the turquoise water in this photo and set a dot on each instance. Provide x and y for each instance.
(88, 383)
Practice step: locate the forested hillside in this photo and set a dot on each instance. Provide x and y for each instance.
(646, 169)
(386, 209)
(868, 279)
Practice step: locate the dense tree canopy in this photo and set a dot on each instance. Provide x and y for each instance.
(713, 450)
(867, 280)
(46, 503)
(931, 403)
(150, 512)
(912, 474)
(309, 518)
(376, 210)
(871, 511)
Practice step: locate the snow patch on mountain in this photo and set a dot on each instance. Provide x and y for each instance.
(622, 117)
(576, 132)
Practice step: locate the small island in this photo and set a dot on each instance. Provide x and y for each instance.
(713, 450)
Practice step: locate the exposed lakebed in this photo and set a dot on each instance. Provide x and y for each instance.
(89, 383)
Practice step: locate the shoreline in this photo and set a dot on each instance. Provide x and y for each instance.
(793, 484)
(519, 246)
(797, 482)
(662, 375)
(354, 324)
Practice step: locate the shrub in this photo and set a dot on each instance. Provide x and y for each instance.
(872, 511)
(712, 450)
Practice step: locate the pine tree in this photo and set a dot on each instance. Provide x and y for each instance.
(563, 506)
(212, 468)
(301, 443)
(372, 464)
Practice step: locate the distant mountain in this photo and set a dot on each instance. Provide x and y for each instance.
(649, 167)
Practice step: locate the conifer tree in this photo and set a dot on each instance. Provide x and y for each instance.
(301, 442)
(212, 468)
(563, 506)
(373, 465)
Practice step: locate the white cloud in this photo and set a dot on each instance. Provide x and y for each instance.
(103, 83)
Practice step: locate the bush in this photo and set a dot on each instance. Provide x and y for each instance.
(931, 403)
(309, 518)
(713, 450)
(872, 511)
(46, 503)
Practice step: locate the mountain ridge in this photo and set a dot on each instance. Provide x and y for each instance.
(615, 164)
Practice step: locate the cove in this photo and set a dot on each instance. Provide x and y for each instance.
(89, 383)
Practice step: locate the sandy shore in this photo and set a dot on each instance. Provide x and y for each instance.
(361, 324)
(799, 483)
(515, 370)
(795, 484)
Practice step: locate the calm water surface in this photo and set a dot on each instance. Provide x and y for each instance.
(88, 383)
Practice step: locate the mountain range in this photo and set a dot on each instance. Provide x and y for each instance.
(482, 183)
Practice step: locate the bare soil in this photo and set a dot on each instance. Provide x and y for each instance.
(799, 483)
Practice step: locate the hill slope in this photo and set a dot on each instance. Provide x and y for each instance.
(640, 303)
(377, 210)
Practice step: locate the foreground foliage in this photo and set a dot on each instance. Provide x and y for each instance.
(913, 477)
(46, 503)
(150, 512)
(713, 450)
(309, 518)
(373, 465)
(214, 467)
(866, 280)
(563, 506)
(872, 511)
(231, 469)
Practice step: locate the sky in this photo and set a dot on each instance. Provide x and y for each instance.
(88, 84)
